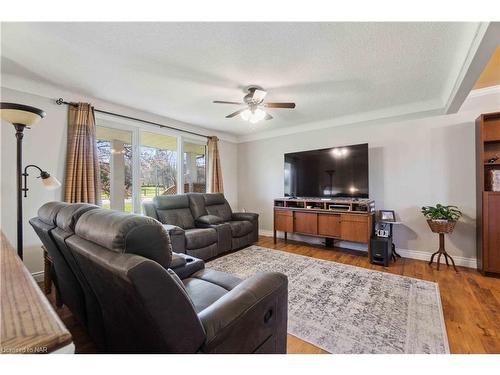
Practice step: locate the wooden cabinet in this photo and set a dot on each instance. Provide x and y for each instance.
(491, 235)
(487, 201)
(283, 220)
(306, 222)
(329, 225)
(355, 228)
(351, 226)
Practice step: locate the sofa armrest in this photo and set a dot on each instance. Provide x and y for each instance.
(207, 220)
(251, 317)
(178, 260)
(223, 231)
(250, 216)
(185, 265)
(177, 238)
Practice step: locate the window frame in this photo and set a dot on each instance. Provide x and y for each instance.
(198, 142)
(135, 127)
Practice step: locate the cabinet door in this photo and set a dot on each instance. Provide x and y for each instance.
(329, 225)
(355, 228)
(492, 232)
(306, 222)
(283, 220)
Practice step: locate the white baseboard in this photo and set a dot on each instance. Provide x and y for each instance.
(38, 276)
(424, 255)
(412, 254)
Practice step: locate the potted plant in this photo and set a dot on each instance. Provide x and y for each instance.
(441, 219)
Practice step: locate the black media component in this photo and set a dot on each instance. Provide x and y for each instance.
(381, 251)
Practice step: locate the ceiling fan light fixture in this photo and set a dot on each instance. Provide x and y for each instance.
(253, 116)
(245, 115)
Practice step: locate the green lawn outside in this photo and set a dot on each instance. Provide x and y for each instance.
(146, 192)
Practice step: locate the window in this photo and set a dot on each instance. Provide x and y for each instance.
(138, 162)
(158, 158)
(115, 168)
(194, 160)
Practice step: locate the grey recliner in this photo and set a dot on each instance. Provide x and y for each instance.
(54, 224)
(147, 308)
(203, 225)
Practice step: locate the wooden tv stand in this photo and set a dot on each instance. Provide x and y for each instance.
(334, 219)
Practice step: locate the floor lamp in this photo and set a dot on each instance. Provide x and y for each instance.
(22, 117)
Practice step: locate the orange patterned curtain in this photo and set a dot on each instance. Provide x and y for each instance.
(215, 182)
(82, 165)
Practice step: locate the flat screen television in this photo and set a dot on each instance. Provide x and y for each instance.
(328, 173)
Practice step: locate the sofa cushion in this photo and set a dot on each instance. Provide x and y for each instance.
(68, 216)
(126, 233)
(48, 212)
(202, 293)
(197, 204)
(222, 279)
(170, 202)
(180, 217)
(209, 220)
(240, 228)
(216, 204)
(200, 237)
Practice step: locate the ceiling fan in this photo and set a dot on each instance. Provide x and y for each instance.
(254, 102)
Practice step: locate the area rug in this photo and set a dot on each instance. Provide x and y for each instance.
(347, 309)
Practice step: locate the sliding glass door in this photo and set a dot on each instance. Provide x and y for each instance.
(138, 162)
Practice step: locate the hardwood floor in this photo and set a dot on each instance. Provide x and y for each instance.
(471, 302)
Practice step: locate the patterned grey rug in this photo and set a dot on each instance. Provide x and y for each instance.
(348, 309)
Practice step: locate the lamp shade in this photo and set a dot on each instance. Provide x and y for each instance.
(20, 114)
(50, 183)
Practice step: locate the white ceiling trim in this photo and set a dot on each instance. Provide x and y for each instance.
(399, 113)
(482, 48)
(484, 91)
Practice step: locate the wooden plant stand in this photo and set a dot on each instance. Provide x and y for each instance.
(442, 251)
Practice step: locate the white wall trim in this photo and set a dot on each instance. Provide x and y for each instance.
(485, 91)
(38, 276)
(405, 253)
(423, 255)
(482, 48)
(410, 111)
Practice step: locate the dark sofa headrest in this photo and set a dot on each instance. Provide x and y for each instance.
(48, 212)
(214, 198)
(170, 202)
(126, 233)
(68, 216)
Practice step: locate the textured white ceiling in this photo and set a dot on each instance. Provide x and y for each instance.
(330, 70)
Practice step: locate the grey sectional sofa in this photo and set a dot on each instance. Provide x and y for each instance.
(203, 225)
(119, 277)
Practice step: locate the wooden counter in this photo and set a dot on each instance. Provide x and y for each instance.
(28, 322)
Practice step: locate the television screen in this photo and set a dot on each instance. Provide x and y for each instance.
(328, 173)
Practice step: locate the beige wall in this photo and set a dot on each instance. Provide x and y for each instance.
(45, 145)
(412, 163)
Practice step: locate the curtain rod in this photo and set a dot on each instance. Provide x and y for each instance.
(61, 101)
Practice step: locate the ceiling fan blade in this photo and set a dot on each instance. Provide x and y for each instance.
(268, 117)
(236, 113)
(279, 105)
(224, 102)
(259, 95)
